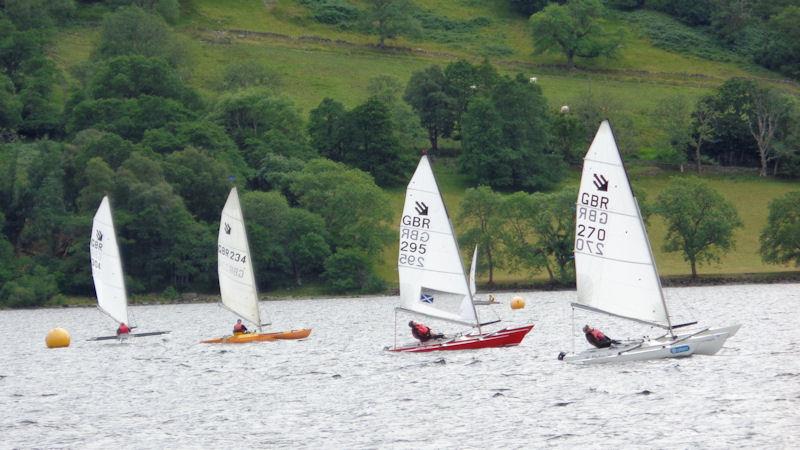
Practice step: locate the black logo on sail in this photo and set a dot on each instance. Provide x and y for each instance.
(99, 235)
(600, 183)
(422, 208)
(227, 228)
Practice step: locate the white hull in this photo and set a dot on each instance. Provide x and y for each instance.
(701, 342)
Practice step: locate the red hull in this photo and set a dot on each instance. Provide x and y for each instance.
(506, 337)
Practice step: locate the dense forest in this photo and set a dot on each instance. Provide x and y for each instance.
(129, 123)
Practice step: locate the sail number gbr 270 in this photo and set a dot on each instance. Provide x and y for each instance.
(590, 234)
(414, 239)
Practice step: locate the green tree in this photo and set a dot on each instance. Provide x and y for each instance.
(200, 180)
(132, 31)
(132, 76)
(350, 270)
(355, 210)
(390, 19)
(171, 248)
(99, 183)
(673, 117)
(768, 117)
(370, 143)
(569, 137)
(528, 7)
(700, 222)
(731, 142)
(427, 95)
(506, 138)
(462, 81)
(287, 243)
(539, 232)
(325, 129)
(261, 123)
(202, 135)
(780, 238)
(480, 220)
(10, 107)
(781, 50)
(129, 118)
(572, 29)
(405, 123)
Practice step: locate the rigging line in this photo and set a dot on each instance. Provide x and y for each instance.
(610, 211)
(613, 259)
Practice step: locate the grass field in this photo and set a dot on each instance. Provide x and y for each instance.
(317, 61)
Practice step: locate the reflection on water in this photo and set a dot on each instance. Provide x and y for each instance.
(340, 390)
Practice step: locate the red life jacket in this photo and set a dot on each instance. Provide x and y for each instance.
(598, 335)
(123, 329)
(238, 328)
(421, 329)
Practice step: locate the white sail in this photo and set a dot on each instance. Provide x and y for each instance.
(614, 265)
(429, 257)
(109, 281)
(237, 283)
(472, 288)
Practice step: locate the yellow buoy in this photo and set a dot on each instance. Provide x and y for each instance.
(57, 338)
(517, 303)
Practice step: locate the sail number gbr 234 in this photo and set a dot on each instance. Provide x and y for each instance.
(414, 239)
(590, 233)
(231, 256)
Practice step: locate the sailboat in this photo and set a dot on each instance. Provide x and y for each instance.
(109, 279)
(237, 282)
(473, 289)
(430, 268)
(615, 270)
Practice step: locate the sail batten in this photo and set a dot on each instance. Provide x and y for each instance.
(237, 283)
(614, 265)
(428, 255)
(107, 273)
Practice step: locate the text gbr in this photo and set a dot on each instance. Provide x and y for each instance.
(590, 236)
(413, 239)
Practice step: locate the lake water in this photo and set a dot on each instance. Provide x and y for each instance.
(339, 389)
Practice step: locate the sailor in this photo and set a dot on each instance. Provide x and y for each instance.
(596, 337)
(422, 332)
(123, 329)
(239, 328)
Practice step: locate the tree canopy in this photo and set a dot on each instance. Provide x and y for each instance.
(573, 29)
(700, 222)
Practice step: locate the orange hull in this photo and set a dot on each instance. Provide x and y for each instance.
(245, 338)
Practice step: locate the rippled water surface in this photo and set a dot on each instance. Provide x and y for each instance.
(339, 389)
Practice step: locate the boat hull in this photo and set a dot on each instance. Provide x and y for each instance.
(245, 338)
(506, 337)
(126, 336)
(706, 342)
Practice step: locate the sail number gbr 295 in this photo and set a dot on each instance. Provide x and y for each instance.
(414, 239)
(590, 234)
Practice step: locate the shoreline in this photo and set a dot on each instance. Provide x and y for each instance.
(666, 281)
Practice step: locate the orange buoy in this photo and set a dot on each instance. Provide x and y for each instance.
(57, 338)
(517, 303)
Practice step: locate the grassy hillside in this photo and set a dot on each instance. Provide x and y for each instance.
(317, 61)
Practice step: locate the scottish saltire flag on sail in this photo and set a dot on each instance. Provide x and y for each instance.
(425, 298)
